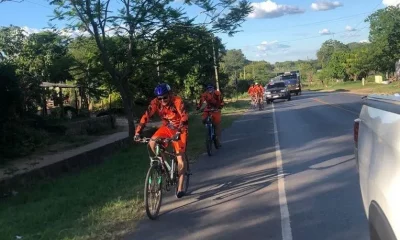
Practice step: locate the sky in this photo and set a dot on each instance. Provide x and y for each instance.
(277, 30)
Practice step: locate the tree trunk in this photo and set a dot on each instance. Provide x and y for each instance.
(127, 100)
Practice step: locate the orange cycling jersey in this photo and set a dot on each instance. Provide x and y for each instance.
(251, 91)
(174, 115)
(259, 91)
(213, 100)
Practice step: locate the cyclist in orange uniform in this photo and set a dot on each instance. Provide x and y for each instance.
(259, 92)
(172, 111)
(252, 94)
(214, 101)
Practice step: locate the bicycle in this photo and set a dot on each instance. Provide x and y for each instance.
(210, 136)
(165, 175)
(254, 102)
(260, 103)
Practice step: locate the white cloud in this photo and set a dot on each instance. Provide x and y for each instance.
(271, 47)
(391, 2)
(70, 32)
(364, 41)
(325, 5)
(270, 9)
(350, 29)
(325, 32)
(29, 31)
(291, 54)
(73, 33)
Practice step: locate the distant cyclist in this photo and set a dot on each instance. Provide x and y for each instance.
(259, 92)
(252, 94)
(214, 100)
(174, 116)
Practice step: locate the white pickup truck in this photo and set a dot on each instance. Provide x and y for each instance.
(377, 153)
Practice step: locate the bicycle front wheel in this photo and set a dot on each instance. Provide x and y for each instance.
(153, 192)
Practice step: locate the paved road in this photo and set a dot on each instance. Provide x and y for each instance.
(235, 194)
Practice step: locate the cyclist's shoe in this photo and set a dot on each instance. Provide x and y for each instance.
(218, 142)
(180, 194)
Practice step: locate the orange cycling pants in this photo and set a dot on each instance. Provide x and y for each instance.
(166, 132)
(215, 117)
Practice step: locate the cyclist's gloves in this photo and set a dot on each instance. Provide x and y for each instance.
(177, 136)
(136, 138)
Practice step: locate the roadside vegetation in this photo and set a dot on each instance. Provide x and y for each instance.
(357, 87)
(100, 203)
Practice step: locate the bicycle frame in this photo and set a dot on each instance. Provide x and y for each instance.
(157, 159)
(209, 124)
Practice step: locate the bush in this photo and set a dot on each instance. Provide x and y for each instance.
(10, 94)
(18, 139)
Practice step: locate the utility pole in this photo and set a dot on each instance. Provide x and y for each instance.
(215, 63)
(236, 85)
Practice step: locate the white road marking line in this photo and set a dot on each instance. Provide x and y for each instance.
(285, 216)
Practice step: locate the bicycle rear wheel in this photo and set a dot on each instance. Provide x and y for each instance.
(209, 141)
(187, 175)
(215, 139)
(153, 192)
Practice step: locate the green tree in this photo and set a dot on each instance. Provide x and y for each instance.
(359, 62)
(384, 36)
(327, 49)
(356, 45)
(263, 72)
(45, 55)
(307, 69)
(285, 66)
(336, 68)
(11, 42)
(87, 69)
(139, 21)
(233, 62)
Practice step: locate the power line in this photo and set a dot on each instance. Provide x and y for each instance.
(299, 39)
(39, 4)
(373, 10)
(313, 23)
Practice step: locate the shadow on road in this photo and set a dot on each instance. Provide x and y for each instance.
(322, 182)
(228, 188)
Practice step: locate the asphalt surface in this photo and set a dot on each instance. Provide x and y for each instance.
(234, 194)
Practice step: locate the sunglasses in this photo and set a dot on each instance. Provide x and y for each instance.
(162, 98)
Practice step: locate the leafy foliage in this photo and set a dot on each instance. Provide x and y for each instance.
(385, 37)
(327, 49)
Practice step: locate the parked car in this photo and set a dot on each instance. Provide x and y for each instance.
(377, 153)
(276, 90)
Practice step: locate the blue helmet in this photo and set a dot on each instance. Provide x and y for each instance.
(210, 86)
(162, 89)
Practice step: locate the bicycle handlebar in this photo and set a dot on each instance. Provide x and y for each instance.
(211, 110)
(165, 140)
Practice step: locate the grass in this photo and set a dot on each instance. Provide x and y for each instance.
(356, 87)
(102, 202)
